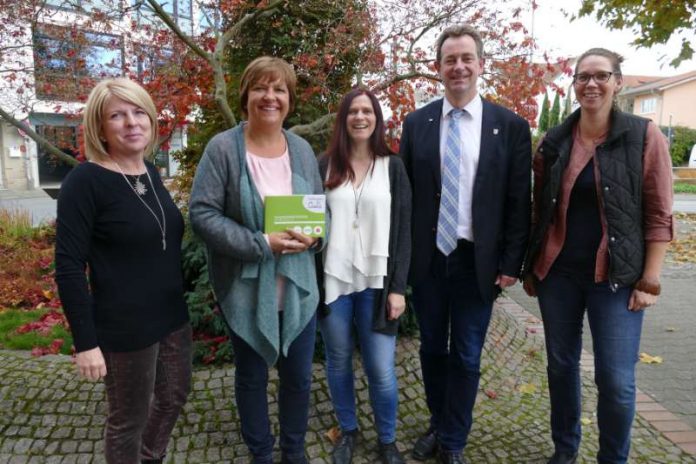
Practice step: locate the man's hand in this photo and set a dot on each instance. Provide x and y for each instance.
(504, 281)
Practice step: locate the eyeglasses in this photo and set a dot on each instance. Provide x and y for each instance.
(600, 77)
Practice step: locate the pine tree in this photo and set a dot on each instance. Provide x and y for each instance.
(555, 113)
(567, 107)
(544, 117)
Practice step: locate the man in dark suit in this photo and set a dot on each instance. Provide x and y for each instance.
(470, 172)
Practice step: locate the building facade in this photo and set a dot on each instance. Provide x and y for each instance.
(52, 56)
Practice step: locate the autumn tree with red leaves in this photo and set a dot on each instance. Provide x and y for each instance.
(385, 45)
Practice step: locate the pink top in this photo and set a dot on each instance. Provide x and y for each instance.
(272, 176)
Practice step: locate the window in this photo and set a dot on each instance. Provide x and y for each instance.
(180, 10)
(648, 105)
(61, 131)
(151, 61)
(209, 17)
(68, 61)
(81, 5)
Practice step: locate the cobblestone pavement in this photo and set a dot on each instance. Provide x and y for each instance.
(668, 332)
(48, 416)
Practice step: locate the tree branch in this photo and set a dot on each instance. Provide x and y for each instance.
(314, 126)
(174, 27)
(40, 140)
(218, 56)
(385, 84)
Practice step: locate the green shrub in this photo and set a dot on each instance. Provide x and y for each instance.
(683, 139)
(681, 187)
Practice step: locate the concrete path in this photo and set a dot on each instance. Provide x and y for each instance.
(41, 206)
(668, 332)
(48, 416)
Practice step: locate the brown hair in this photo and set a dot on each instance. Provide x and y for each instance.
(614, 58)
(459, 30)
(339, 150)
(123, 89)
(267, 67)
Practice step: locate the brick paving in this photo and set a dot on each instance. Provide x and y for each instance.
(47, 415)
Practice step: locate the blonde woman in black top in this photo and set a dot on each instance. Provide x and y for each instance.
(129, 320)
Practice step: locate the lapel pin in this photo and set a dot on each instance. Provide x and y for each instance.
(495, 131)
(430, 119)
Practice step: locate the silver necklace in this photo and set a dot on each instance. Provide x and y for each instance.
(161, 224)
(358, 196)
(138, 186)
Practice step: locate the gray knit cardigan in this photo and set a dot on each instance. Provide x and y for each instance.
(226, 211)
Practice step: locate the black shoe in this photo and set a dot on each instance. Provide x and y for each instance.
(151, 461)
(343, 451)
(563, 458)
(426, 446)
(299, 459)
(449, 457)
(389, 454)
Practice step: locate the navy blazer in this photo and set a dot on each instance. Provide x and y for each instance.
(501, 205)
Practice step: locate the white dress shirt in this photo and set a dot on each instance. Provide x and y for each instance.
(470, 136)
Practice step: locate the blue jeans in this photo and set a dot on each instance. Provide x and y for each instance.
(453, 320)
(352, 314)
(250, 386)
(563, 300)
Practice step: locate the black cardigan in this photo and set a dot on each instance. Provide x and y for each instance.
(399, 246)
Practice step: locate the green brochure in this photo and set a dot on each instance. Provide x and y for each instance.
(301, 213)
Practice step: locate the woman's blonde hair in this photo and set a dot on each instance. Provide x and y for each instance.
(267, 67)
(126, 90)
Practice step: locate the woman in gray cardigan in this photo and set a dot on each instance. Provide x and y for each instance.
(365, 266)
(265, 283)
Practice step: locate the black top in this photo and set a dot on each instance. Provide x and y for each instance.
(583, 227)
(134, 297)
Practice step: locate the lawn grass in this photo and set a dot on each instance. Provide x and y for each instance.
(11, 319)
(681, 187)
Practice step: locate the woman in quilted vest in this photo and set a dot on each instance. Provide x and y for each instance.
(602, 222)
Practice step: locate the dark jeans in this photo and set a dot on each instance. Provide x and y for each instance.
(563, 300)
(251, 382)
(453, 320)
(145, 391)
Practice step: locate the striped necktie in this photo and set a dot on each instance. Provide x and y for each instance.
(448, 216)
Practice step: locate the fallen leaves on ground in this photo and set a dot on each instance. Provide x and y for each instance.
(585, 421)
(333, 434)
(527, 388)
(53, 348)
(683, 248)
(492, 394)
(45, 323)
(645, 358)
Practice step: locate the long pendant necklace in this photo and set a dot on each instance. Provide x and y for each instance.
(138, 186)
(161, 224)
(358, 196)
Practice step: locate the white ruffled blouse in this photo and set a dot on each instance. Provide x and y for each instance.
(358, 247)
